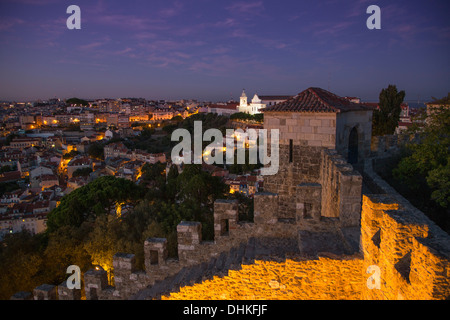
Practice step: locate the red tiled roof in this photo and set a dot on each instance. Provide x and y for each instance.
(372, 105)
(275, 97)
(48, 177)
(316, 100)
(79, 161)
(230, 106)
(10, 176)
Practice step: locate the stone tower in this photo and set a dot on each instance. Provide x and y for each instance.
(243, 105)
(317, 188)
(243, 98)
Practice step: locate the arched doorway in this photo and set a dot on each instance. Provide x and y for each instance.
(353, 146)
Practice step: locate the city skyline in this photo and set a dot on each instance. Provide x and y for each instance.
(209, 51)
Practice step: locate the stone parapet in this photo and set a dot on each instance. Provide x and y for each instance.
(341, 189)
(45, 292)
(95, 282)
(412, 253)
(287, 251)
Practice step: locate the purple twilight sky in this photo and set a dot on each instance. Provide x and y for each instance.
(211, 49)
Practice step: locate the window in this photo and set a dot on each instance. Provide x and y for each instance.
(291, 151)
(307, 211)
(153, 257)
(403, 266)
(353, 146)
(376, 239)
(93, 293)
(225, 227)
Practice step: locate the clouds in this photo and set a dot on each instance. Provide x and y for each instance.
(95, 44)
(260, 41)
(246, 7)
(34, 2)
(123, 21)
(10, 23)
(169, 12)
(331, 28)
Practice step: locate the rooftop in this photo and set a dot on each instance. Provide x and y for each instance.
(230, 106)
(316, 100)
(275, 97)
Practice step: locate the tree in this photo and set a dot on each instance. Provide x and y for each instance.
(426, 169)
(200, 187)
(197, 192)
(65, 247)
(443, 101)
(8, 187)
(258, 117)
(73, 127)
(386, 119)
(77, 101)
(10, 138)
(82, 172)
(70, 155)
(6, 168)
(99, 197)
(101, 243)
(96, 151)
(20, 263)
(177, 118)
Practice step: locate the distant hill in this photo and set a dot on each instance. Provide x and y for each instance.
(77, 101)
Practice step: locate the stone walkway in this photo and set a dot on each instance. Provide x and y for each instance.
(256, 249)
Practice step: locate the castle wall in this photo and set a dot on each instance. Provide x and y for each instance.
(412, 253)
(324, 278)
(304, 128)
(346, 121)
(285, 252)
(303, 139)
(306, 193)
(341, 189)
(385, 146)
(304, 168)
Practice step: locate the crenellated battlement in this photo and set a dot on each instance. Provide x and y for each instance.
(332, 235)
(412, 252)
(384, 146)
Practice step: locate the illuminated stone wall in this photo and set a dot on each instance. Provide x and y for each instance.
(324, 278)
(412, 253)
(265, 260)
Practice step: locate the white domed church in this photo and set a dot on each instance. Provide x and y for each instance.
(251, 108)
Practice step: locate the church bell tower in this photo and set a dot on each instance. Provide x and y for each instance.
(243, 102)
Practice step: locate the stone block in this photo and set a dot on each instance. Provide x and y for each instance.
(315, 123)
(315, 143)
(155, 251)
(189, 234)
(22, 295)
(308, 200)
(95, 281)
(327, 123)
(326, 130)
(124, 262)
(306, 129)
(64, 293)
(291, 122)
(45, 292)
(226, 216)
